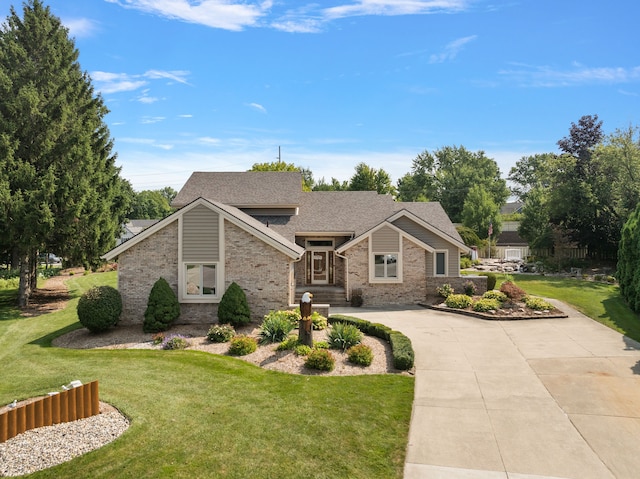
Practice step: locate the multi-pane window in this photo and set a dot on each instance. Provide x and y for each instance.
(200, 280)
(386, 265)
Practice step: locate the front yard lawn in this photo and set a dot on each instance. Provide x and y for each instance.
(195, 414)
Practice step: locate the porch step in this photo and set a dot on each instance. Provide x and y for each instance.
(333, 295)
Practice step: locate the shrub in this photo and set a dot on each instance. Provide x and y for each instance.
(360, 354)
(343, 336)
(403, 354)
(302, 350)
(175, 341)
(233, 308)
(99, 308)
(356, 297)
(319, 322)
(9, 283)
(458, 301)
(289, 343)
(495, 294)
(486, 304)
(291, 315)
(470, 288)
(275, 328)
(512, 291)
(492, 279)
(465, 262)
(220, 333)
(320, 359)
(445, 290)
(242, 345)
(163, 308)
(378, 330)
(537, 304)
(157, 338)
(321, 345)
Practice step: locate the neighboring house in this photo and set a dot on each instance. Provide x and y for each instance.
(509, 244)
(260, 230)
(132, 228)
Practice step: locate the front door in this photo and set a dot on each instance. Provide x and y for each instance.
(319, 267)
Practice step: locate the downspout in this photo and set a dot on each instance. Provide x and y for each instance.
(346, 274)
(292, 288)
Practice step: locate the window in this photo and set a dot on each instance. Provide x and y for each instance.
(200, 280)
(386, 266)
(441, 263)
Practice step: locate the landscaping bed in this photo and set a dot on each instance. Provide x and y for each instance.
(508, 311)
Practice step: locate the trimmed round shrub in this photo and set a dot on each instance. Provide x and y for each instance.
(234, 308)
(495, 294)
(360, 354)
(486, 304)
(492, 279)
(302, 350)
(320, 359)
(403, 354)
(321, 345)
(163, 308)
(220, 333)
(513, 292)
(242, 345)
(343, 336)
(274, 329)
(537, 304)
(175, 341)
(458, 301)
(99, 308)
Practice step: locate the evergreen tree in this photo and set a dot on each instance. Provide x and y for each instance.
(58, 178)
(628, 274)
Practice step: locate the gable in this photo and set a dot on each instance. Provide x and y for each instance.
(421, 233)
(385, 239)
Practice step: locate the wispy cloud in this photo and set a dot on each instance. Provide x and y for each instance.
(225, 14)
(257, 106)
(451, 50)
(237, 15)
(149, 120)
(546, 76)
(107, 82)
(395, 7)
(80, 27)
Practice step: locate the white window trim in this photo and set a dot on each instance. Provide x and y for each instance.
(220, 273)
(372, 265)
(435, 262)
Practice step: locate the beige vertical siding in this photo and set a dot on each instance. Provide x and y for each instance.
(385, 240)
(200, 235)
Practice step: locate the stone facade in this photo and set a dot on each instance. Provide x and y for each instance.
(260, 270)
(142, 265)
(413, 288)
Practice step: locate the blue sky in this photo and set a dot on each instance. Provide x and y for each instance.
(218, 85)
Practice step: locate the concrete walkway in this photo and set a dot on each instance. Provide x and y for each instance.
(545, 398)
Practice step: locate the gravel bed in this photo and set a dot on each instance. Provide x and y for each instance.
(48, 446)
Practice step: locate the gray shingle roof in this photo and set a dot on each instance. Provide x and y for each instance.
(242, 189)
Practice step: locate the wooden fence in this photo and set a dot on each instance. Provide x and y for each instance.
(76, 403)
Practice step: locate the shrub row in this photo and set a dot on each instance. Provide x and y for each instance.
(401, 348)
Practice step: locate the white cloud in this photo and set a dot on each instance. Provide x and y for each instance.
(224, 14)
(149, 120)
(257, 106)
(451, 50)
(546, 76)
(209, 141)
(107, 82)
(395, 7)
(80, 27)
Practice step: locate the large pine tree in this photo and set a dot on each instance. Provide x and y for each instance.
(59, 185)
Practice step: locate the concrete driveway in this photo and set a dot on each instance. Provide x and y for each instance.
(533, 399)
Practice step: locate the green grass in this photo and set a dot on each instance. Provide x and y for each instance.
(600, 301)
(195, 414)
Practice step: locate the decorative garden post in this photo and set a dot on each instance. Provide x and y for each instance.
(305, 331)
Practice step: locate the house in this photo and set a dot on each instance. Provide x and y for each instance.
(132, 228)
(260, 230)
